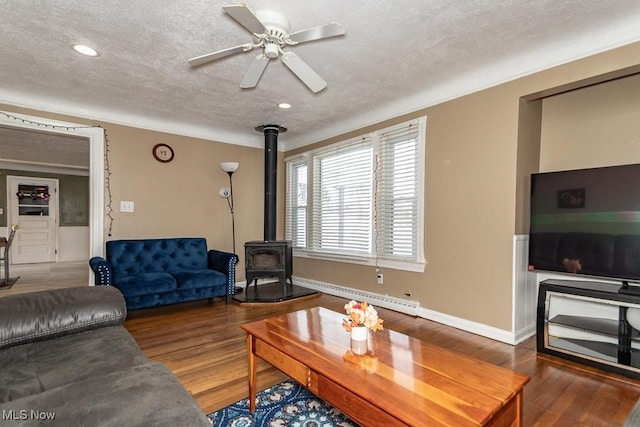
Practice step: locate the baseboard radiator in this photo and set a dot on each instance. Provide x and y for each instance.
(524, 288)
(392, 303)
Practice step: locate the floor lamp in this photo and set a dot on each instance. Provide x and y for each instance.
(227, 193)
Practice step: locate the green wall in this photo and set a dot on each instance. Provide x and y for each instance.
(73, 198)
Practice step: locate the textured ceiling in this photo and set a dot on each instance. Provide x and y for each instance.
(397, 56)
(43, 148)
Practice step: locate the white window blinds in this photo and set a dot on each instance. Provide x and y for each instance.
(296, 210)
(361, 199)
(397, 183)
(342, 199)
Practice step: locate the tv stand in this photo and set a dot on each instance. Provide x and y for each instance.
(630, 290)
(586, 322)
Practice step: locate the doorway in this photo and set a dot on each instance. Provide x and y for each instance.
(96, 138)
(32, 204)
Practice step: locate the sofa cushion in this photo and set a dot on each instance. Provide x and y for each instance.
(78, 309)
(144, 395)
(199, 279)
(147, 283)
(44, 365)
(134, 257)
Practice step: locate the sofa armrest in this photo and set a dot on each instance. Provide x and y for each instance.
(225, 263)
(102, 270)
(39, 316)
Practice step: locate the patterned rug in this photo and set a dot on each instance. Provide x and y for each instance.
(284, 404)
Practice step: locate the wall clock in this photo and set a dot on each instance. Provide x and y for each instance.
(163, 153)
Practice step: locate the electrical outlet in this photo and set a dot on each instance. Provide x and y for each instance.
(126, 206)
(380, 277)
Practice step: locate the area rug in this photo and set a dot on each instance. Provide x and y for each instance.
(284, 404)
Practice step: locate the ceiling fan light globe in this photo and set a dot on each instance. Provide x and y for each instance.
(271, 50)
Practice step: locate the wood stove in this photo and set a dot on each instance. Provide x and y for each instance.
(268, 259)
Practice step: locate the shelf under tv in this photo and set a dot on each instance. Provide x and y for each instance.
(606, 341)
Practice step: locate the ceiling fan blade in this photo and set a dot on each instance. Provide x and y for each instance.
(246, 18)
(203, 59)
(255, 72)
(304, 72)
(316, 33)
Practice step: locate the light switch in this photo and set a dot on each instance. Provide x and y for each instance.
(126, 206)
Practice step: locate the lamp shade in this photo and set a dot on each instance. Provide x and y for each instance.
(229, 167)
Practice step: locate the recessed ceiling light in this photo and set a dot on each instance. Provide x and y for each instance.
(85, 50)
(284, 105)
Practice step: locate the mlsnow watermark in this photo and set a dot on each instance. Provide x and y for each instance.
(24, 415)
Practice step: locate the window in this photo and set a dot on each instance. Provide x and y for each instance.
(361, 200)
(297, 204)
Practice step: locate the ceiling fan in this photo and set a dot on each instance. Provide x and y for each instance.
(271, 32)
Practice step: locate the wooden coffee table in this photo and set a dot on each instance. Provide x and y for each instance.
(403, 381)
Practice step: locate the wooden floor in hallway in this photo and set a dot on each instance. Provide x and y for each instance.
(50, 275)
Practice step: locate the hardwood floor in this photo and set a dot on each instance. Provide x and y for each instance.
(204, 346)
(51, 275)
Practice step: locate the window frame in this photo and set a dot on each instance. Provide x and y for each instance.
(416, 264)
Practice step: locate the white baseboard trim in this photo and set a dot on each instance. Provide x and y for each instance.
(410, 307)
(525, 333)
(468, 326)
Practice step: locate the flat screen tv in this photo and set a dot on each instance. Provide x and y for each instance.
(587, 222)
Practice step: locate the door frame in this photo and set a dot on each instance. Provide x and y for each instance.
(96, 138)
(12, 203)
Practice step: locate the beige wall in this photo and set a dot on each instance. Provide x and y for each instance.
(480, 151)
(469, 202)
(180, 198)
(595, 126)
(528, 158)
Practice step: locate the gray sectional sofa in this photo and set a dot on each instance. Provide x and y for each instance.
(67, 360)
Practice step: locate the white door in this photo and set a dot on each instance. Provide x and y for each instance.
(33, 205)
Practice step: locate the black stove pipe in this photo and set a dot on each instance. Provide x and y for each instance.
(270, 178)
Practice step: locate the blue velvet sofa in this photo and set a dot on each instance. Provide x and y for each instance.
(155, 272)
